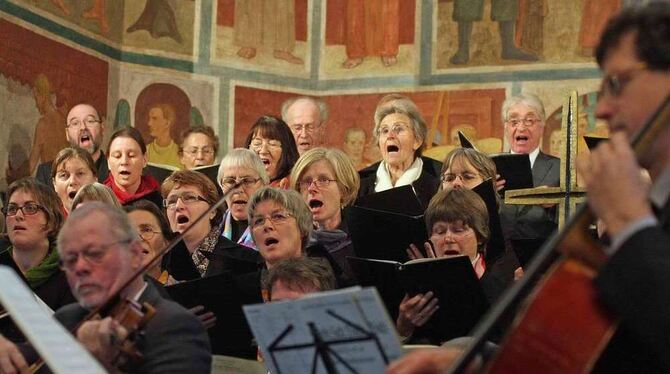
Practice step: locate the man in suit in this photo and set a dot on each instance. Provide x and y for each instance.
(524, 117)
(100, 251)
(634, 55)
(84, 129)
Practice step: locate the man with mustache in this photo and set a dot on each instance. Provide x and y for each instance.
(84, 129)
(100, 251)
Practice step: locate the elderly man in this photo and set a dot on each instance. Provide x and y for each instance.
(306, 116)
(524, 117)
(84, 129)
(634, 55)
(100, 250)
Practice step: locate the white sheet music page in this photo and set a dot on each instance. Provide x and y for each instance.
(57, 347)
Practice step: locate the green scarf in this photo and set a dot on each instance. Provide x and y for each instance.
(39, 274)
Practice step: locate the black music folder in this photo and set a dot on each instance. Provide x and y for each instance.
(220, 295)
(495, 248)
(593, 141)
(465, 142)
(514, 169)
(384, 235)
(400, 200)
(451, 279)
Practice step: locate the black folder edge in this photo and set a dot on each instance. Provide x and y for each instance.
(514, 169)
(495, 247)
(593, 141)
(401, 200)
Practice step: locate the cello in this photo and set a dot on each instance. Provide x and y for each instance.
(545, 337)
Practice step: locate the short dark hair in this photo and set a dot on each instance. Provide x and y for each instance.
(46, 197)
(301, 273)
(274, 128)
(650, 23)
(66, 154)
(128, 132)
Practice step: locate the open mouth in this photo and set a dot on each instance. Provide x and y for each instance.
(265, 161)
(521, 139)
(19, 228)
(182, 219)
(314, 203)
(85, 138)
(239, 202)
(270, 241)
(72, 194)
(124, 173)
(392, 148)
(451, 252)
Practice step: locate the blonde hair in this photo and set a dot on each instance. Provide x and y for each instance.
(95, 192)
(346, 175)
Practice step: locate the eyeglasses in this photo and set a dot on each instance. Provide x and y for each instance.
(467, 176)
(307, 128)
(321, 182)
(614, 84)
(257, 144)
(187, 198)
(93, 256)
(229, 182)
(76, 123)
(28, 209)
(527, 122)
(147, 232)
(396, 129)
(277, 218)
(193, 151)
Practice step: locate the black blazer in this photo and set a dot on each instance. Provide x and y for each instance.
(43, 173)
(424, 187)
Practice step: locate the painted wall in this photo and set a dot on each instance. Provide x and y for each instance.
(231, 61)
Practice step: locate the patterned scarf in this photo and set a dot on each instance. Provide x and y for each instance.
(207, 245)
(38, 275)
(227, 232)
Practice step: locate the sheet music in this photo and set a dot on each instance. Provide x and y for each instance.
(353, 323)
(57, 347)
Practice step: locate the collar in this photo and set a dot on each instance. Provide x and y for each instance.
(141, 291)
(532, 155)
(660, 190)
(410, 175)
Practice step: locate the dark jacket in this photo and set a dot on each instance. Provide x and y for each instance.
(424, 187)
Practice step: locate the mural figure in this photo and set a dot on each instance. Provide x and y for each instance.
(98, 12)
(49, 136)
(269, 23)
(158, 19)
(372, 29)
(594, 17)
(530, 25)
(163, 149)
(505, 12)
(61, 5)
(354, 146)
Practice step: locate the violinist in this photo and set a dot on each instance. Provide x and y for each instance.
(634, 55)
(99, 251)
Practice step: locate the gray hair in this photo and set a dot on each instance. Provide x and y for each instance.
(407, 107)
(95, 192)
(528, 99)
(323, 107)
(292, 201)
(246, 158)
(118, 224)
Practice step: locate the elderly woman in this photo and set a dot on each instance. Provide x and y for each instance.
(457, 221)
(188, 195)
(71, 169)
(95, 192)
(34, 217)
(328, 183)
(198, 147)
(242, 166)
(126, 158)
(400, 133)
(272, 140)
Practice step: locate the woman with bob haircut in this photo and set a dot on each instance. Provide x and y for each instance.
(272, 140)
(95, 192)
(328, 182)
(72, 169)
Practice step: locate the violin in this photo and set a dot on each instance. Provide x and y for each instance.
(559, 325)
(130, 314)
